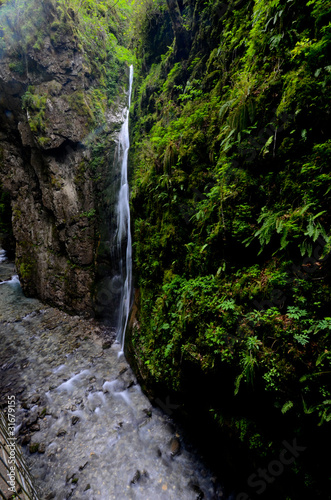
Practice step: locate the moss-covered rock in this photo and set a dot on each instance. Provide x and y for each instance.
(62, 113)
(232, 229)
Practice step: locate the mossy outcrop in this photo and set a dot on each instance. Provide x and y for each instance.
(62, 89)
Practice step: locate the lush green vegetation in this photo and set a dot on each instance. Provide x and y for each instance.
(231, 194)
(98, 30)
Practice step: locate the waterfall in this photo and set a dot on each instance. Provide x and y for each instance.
(123, 236)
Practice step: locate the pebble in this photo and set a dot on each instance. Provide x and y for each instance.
(33, 448)
(61, 432)
(26, 439)
(35, 428)
(42, 448)
(174, 446)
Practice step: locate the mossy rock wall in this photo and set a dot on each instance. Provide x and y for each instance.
(230, 201)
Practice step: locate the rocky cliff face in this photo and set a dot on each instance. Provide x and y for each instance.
(57, 144)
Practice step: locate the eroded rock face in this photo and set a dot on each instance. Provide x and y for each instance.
(47, 132)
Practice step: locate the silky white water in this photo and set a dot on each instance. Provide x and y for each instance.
(2, 255)
(98, 436)
(123, 237)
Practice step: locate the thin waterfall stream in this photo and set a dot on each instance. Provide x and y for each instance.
(123, 236)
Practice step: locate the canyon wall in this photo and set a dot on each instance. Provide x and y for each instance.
(58, 139)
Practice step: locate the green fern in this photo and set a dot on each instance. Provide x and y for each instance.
(248, 362)
(296, 313)
(291, 225)
(301, 338)
(287, 406)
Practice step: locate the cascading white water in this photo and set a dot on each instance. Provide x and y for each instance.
(123, 236)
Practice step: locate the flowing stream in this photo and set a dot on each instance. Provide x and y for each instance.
(87, 430)
(123, 236)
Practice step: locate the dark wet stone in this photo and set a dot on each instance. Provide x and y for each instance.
(26, 439)
(42, 448)
(196, 488)
(34, 427)
(70, 475)
(171, 428)
(33, 448)
(87, 487)
(127, 378)
(136, 477)
(106, 345)
(147, 412)
(122, 368)
(139, 476)
(23, 429)
(50, 496)
(61, 432)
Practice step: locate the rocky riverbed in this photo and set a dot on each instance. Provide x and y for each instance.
(86, 429)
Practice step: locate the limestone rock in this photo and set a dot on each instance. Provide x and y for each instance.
(60, 213)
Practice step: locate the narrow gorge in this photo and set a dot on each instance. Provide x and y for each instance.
(165, 239)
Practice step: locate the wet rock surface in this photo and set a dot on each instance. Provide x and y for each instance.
(46, 155)
(86, 429)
